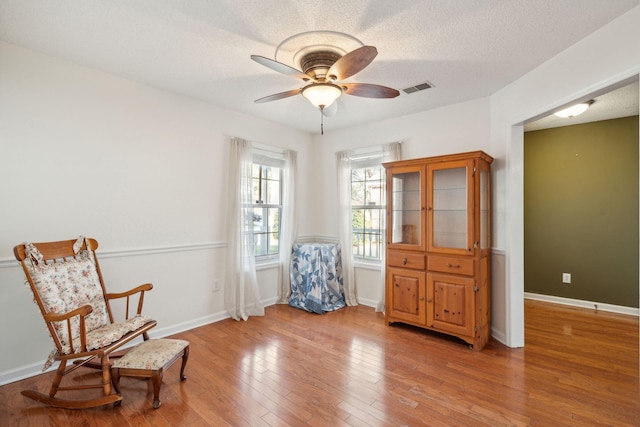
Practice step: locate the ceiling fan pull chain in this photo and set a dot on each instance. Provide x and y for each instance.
(321, 120)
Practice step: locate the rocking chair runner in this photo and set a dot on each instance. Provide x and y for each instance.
(67, 286)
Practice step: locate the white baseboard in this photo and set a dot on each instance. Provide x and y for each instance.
(186, 326)
(23, 372)
(583, 304)
(499, 336)
(34, 369)
(367, 302)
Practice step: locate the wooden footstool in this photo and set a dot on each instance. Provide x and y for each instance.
(149, 360)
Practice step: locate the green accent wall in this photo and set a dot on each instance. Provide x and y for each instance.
(581, 211)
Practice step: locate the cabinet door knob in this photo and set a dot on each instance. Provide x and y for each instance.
(453, 266)
(404, 261)
(421, 298)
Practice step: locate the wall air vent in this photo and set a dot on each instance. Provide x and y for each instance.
(417, 88)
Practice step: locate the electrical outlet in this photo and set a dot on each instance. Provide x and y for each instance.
(566, 277)
(215, 287)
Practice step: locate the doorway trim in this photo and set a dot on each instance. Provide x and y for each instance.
(514, 254)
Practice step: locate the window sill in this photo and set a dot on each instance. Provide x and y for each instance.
(267, 264)
(366, 265)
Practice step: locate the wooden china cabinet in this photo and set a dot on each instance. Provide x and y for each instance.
(438, 245)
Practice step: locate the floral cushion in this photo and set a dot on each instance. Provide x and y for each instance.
(113, 332)
(151, 354)
(102, 337)
(66, 286)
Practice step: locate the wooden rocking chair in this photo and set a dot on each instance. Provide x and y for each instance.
(67, 286)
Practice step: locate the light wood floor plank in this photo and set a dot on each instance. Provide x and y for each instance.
(348, 368)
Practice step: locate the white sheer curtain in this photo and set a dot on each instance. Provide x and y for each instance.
(288, 223)
(242, 298)
(390, 153)
(344, 226)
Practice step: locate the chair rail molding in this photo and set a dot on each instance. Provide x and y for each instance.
(152, 250)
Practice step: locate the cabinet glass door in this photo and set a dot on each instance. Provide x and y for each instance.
(449, 212)
(406, 208)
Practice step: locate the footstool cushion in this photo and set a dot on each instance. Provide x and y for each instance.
(150, 359)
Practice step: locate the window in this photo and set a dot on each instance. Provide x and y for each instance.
(266, 190)
(367, 206)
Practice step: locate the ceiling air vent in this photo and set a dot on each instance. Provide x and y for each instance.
(417, 88)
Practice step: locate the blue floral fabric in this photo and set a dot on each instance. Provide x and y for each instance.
(316, 277)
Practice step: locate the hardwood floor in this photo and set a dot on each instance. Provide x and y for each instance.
(292, 368)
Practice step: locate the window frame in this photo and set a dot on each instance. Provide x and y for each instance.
(368, 160)
(263, 158)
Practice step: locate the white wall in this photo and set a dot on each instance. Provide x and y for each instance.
(140, 169)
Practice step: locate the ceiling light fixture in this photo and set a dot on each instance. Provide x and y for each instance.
(322, 95)
(574, 110)
(325, 65)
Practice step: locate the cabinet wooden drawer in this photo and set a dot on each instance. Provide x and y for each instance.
(415, 261)
(451, 265)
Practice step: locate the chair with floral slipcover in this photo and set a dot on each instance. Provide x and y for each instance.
(68, 288)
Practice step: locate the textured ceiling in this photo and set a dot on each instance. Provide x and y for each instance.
(620, 102)
(466, 48)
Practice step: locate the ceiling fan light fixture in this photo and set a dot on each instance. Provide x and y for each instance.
(574, 110)
(322, 95)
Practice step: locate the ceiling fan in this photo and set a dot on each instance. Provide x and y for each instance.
(324, 70)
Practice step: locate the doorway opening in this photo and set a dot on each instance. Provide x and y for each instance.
(573, 221)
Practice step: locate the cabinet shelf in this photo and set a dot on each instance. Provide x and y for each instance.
(451, 189)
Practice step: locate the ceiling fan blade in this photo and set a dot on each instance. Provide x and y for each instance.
(366, 90)
(280, 67)
(277, 96)
(352, 63)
